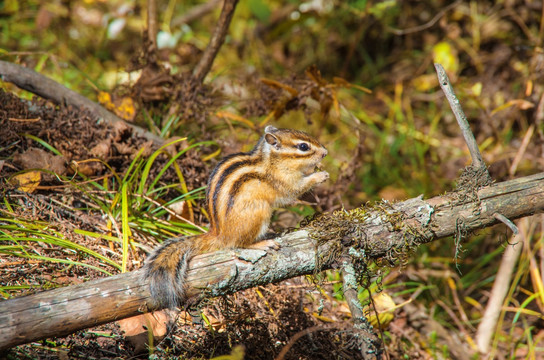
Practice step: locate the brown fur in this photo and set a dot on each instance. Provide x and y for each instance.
(242, 192)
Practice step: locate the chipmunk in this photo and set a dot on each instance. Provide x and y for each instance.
(242, 192)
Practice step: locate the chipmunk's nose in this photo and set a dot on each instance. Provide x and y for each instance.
(324, 153)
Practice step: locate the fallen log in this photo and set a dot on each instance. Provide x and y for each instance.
(380, 231)
(29, 80)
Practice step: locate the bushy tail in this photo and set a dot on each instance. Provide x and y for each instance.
(166, 270)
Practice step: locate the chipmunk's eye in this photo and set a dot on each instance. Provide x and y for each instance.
(303, 147)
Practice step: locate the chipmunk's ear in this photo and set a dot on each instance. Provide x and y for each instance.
(270, 138)
(270, 129)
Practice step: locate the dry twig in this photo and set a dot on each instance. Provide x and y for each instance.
(195, 13)
(427, 25)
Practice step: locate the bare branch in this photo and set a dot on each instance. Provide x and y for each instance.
(351, 291)
(152, 23)
(477, 160)
(217, 39)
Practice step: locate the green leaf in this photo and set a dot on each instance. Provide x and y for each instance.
(260, 10)
(8, 7)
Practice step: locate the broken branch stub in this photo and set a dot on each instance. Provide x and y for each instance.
(477, 160)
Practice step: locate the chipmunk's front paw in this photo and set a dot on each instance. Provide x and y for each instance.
(265, 245)
(320, 177)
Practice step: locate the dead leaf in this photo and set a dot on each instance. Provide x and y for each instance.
(125, 108)
(184, 318)
(182, 210)
(277, 85)
(391, 193)
(344, 310)
(124, 149)
(102, 150)
(136, 328)
(214, 322)
(122, 131)
(104, 99)
(35, 158)
(384, 306)
(88, 168)
(28, 181)
(43, 18)
(148, 148)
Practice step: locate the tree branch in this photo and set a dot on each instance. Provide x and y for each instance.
(46, 88)
(385, 230)
(152, 24)
(217, 39)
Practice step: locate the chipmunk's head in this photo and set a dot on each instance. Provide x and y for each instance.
(294, 149)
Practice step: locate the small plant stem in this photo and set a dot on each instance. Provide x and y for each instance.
(522, 149)
(477, 160)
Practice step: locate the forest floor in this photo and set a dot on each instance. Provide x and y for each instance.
(63, 174)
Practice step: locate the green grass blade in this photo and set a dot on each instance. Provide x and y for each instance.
(43, 143)
(62, 261)
(149, 163)
(125, 226)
